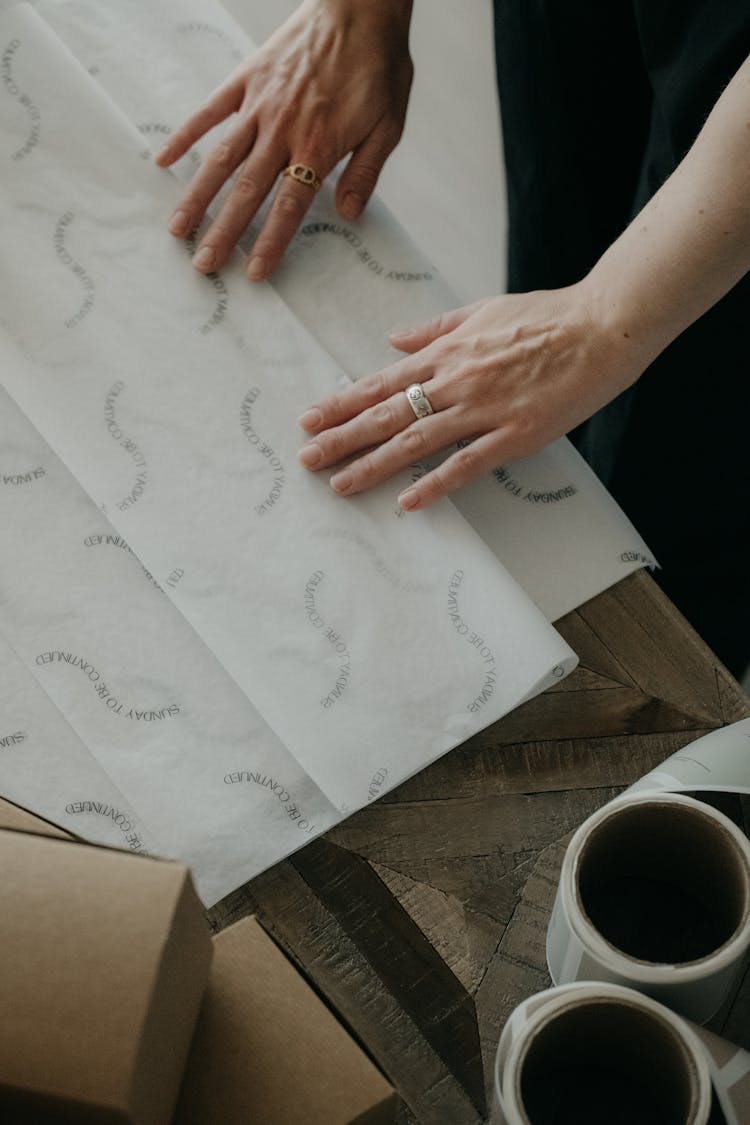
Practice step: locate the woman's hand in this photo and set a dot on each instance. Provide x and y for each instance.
(333, 80)
(510, 374)
(507, 374)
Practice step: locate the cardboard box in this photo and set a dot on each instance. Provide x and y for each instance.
(105, 958)
(13, 816)
(268, 1051)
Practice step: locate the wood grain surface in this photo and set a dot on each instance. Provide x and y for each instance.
(422, 919)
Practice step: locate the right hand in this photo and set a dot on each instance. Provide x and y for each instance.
(334, 79)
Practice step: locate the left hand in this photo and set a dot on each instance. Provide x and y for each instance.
(509, 374)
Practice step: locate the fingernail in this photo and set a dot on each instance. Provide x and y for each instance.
(162, 154)
(310, 419)
(409, 500)
(256, 270)
(352, 205)
(401, 332)
(205, 258)
(342, 482)
(311, 455)
(179, 224)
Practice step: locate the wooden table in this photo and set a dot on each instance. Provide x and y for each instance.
(422, 918)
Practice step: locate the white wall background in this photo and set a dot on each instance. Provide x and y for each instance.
(445, 181)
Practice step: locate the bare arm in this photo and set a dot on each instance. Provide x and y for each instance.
(691, 243)
(513, 373)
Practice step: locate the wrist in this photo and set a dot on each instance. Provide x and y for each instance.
(631, 327)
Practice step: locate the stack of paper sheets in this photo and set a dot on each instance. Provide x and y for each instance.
(205, 653)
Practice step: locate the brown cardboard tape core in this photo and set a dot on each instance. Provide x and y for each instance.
(663, 883)
(608, 1061)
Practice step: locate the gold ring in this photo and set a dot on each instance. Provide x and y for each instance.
(304, 175)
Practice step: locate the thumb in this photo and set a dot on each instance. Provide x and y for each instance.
(358, 180)
(413, 339)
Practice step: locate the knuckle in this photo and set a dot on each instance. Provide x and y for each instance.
(363, 470)
(339, 406)
(247, 185)
(467, 461)
(193, 201)
(331, 444)
(290, 206)
(436, 486)
(440, 326)
(382, 414)
(322, 106)
(221, 154)
(474, 344)
(282, 118)
(317, 144)
(413, 441)
(217, 233)
(375, 386)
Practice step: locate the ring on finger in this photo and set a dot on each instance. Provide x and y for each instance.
(418, 401)
(303, 174)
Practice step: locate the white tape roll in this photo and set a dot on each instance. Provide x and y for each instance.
(654, 891)
(718, 762)
(589, 1053)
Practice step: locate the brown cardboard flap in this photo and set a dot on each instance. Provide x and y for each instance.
(105, 956)
(19, 820)
(268, 1050)
(175, 1003)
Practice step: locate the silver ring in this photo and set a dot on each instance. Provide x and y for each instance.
(418, 401)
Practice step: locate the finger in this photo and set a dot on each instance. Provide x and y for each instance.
(420, 439)
(371, 428)
(463, 466)
(251, 186)
(227, 99)
(283, 221)
(216, 169)
(412, 339)
(360, 176)
(339, 408)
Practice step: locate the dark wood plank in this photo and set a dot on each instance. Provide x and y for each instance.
(408, 964)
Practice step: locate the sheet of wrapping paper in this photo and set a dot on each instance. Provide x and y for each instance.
(41, 754)
(728, 1066)
(163, 392)
(155, 715)
(547, 518)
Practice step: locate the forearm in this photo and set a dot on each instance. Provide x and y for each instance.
(690, 244)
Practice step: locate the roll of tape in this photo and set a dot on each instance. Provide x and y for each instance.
(719, 762)
(588, 1053)
(654, 891)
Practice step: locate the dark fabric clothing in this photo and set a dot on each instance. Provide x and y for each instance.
(600, 102)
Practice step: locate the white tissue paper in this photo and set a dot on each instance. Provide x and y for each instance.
(548, 518)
